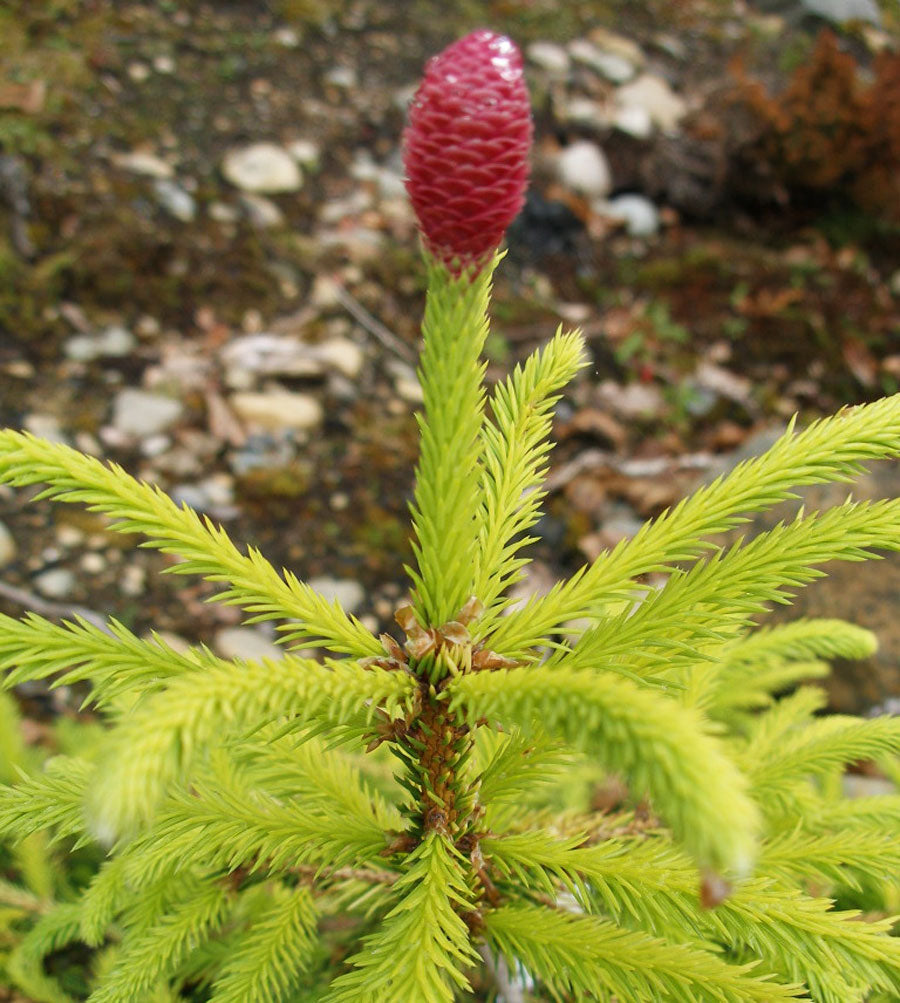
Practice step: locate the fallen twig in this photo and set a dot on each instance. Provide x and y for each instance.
(62, 611)
(373, 325)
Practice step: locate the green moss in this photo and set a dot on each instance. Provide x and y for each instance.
(288, 482)
(302, 12)
(674, 271)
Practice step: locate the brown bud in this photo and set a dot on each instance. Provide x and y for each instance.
(714, 889)
(392, 647)
(420, 644)
(455, 632)
(490, 660)
(406, 617)
(472, 609)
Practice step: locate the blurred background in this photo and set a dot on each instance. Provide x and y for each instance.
(209, 274)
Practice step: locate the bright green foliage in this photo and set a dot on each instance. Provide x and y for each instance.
(205, 549)
(422, 946)
(266, 965)
(658, 744)
(152, 951)
(515, 447)
(420, 820)
(591, 955)
(447, 499)
(32, 872)
(830, 449)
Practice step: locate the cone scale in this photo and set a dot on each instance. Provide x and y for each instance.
(466, 149)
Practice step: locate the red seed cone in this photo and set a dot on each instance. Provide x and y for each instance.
(466, 148)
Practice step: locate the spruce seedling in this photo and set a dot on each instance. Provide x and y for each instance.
(403, 820)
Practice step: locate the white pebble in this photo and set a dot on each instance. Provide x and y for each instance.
(638, 213)
(610, 65)
(175, 200)
(164, 64)
(550, 57)
(277, 409)
(634, 121)
(245, 642)
(263, 168)
(653, 93)
(341, 354)
(55, 583)
(141, 162)
(261, 211)
(583, 168)
(92, 562)
(132, 580)
(304, 151)
(113, 342)
(141, 414)
(7, 546)
(348, 593)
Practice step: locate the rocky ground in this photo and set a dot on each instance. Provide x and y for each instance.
(209, 274)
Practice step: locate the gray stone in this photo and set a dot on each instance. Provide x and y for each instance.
(141, 162)
(7, 546)
(841, 11)
(247, 643)
(585, 111)
(637, 212)
(347, 592)
(92, 562)
(261, 211)
(133, 580)
(626, 48)
(583, 168)
(636, 400)
(140, 414)
(269, 355)
(284, 355)
(214, 495)
(341, 76)
(263, 168)
(45, 426)
(724, 383)
(175, 200)
(389, 181)
(836, 11)
(112, 343)
(406, 382)
(610, 65)
(262, 451)
(55, 583)
(155, 445)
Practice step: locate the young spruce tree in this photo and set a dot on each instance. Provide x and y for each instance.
(401, 821)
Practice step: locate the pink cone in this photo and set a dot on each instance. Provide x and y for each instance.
(466, 148)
